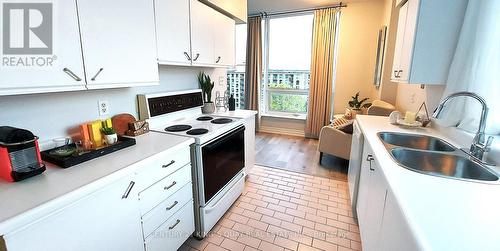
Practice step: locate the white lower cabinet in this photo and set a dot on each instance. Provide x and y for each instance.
(108, 219)
(249, 143)
(371, 199)
(151, 208)
(395, 234)
(381, 222)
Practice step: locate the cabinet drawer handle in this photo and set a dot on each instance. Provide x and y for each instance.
(171, 185)
(173, 205)
(218, 59)
(169, 164)
(97, 74)
(72, 74)
(187, 56)
(176, 223)
(395, 73)
(196, 57)
(129, 188)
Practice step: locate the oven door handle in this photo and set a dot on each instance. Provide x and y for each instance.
(216, 203)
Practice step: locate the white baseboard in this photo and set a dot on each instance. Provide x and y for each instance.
(286, 131)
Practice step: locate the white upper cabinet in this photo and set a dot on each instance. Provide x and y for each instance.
(119, 44)
(225, 40)
(426, 40)
(203, 20)
(56, 70)
(172, 32)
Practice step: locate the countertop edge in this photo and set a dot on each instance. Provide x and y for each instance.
(39, 212)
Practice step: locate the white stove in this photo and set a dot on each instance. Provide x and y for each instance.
(217, 156)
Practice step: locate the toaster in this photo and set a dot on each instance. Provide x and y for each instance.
(19, 154)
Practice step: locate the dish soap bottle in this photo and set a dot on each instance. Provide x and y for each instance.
(232, 103)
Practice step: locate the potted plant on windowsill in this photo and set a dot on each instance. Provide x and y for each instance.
(206, 85)
(355, 105)
(109, 135)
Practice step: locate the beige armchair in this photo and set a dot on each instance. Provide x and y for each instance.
(338, 143)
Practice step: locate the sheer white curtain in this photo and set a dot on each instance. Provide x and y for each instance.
(476, 68)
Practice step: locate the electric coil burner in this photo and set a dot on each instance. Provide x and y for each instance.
(204, 118)
(221, 121)
(178, 128)
(197, 131)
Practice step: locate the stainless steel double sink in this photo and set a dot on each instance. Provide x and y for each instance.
(434, 156)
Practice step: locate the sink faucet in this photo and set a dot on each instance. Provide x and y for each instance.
(478, 146)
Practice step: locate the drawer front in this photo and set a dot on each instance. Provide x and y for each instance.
(164, 188)
(174, 232)
(159, 167)
(166, 209)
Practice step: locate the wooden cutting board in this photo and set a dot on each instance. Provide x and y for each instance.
(120, 122)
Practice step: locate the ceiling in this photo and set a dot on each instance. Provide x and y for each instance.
(271, 6)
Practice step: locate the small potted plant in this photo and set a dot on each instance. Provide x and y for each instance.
(355, 105)
(109, 135)
(206, 85)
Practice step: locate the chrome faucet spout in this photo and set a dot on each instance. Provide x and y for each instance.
(479, 144)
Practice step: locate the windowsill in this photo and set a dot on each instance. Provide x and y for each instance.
(301, 117)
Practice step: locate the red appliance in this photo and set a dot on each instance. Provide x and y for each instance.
(19, 154)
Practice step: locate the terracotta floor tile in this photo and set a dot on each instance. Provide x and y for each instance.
(282, 210)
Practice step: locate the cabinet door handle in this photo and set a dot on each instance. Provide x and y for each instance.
(170, 186)
(172, 206)
(196, 57)
(129, 188)
(395, 73)
(187, 56)
(72, 74)
(370, 158)
(218, 59)
(169, 164)
(97, 74)
(176, 223)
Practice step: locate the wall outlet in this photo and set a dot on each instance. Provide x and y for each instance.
(103, 107)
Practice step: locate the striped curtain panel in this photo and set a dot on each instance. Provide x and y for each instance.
(253, 70)
(322, 64)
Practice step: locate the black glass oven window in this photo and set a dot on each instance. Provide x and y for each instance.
(168, 104)
(222, 160)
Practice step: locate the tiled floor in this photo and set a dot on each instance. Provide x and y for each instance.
(282, 210)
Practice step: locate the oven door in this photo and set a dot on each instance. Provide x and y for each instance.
(222, 159)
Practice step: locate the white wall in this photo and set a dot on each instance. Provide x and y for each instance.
(56, 115)
(411, 96)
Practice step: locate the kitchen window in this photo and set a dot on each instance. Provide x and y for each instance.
(284, 91)
(287, 61)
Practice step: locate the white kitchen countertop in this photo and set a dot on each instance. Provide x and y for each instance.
(443, 214)
(21, 202)
(238, 113)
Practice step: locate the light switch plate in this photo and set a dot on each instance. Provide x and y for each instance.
(103, 107)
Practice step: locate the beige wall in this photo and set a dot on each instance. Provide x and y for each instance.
(359, 26)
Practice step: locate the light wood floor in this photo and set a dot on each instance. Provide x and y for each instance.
(297, 154)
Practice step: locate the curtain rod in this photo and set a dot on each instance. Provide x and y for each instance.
(265, 14)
